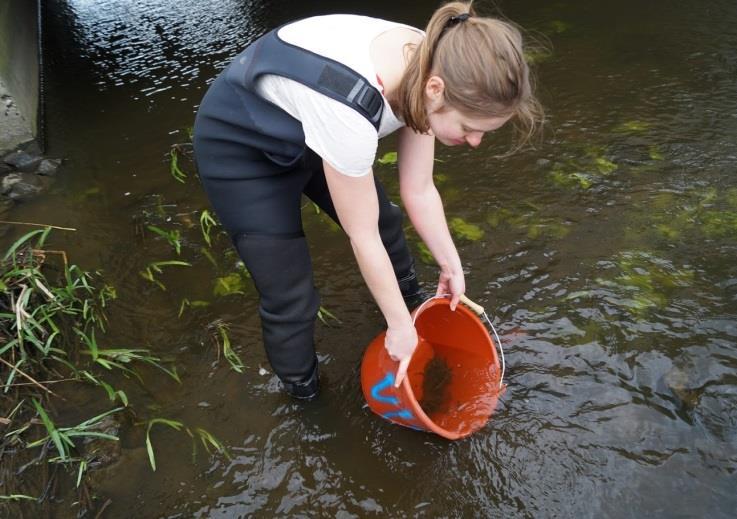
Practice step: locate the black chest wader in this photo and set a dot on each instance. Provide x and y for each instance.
(254, 165)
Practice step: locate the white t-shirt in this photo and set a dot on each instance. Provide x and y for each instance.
(336, 132)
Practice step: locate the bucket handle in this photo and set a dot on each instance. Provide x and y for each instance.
(482, 313)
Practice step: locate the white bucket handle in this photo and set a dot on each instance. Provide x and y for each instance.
(482, 313)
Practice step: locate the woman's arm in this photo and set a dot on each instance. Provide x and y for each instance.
(425, 208)
(357, 207)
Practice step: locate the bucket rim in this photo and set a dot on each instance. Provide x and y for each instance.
(407, 388)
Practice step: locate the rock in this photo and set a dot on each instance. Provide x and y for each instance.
(31, 147)
(99, 451)
(23, 161)
(5, 205)
(48, 167)
(21, 186)
(5, 168)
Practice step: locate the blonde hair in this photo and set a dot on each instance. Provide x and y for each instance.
(482, 65)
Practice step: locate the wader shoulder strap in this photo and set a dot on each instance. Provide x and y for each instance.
(272, 55)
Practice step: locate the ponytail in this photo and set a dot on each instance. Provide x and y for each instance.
(482, 65)
(411, 93)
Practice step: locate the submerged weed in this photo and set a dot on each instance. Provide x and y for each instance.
(207, 224)
(50, 322)
(233, 283)
(222, 340)
(186, 303)
(174, 237)
(156, 267)
(388, 159)
(426, 256)
(633, 127)
(697, 212)
(558, 26)
(530, 221)
(324, 314)
(537, 56)
(465, 230)
(174, 169)
(207, 439)
(644, 283)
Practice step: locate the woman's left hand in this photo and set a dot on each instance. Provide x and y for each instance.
(453, 283)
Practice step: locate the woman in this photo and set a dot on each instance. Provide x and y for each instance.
(301, 111)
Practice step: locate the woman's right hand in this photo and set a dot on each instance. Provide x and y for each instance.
(400, 342)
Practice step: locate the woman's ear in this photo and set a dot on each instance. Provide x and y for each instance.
(434, 89)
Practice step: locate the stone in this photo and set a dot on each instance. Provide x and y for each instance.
(5, 205)
(101, 452)
(31, 147)
(23, 161)
(5, 168)
(48, 167)
(21, 186)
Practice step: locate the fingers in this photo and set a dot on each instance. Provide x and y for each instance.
(454, 301)
(402, 371)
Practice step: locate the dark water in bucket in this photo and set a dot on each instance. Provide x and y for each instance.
(606, 256)
(459, 390)
(436, 387)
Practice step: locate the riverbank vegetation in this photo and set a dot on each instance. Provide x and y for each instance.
(52, 339)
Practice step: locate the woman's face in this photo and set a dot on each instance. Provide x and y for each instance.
(452, 127)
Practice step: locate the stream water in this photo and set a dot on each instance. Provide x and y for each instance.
(606, 256)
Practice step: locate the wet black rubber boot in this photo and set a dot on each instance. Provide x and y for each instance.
(308, 389)
(412, 292)
(281, 269)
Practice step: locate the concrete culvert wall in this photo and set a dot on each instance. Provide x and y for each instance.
(19, 72)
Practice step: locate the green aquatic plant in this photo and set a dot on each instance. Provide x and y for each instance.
(558, 26)
(52, 320)
(529, 220)
(222, 340)
(703, 211)
(207, 254)
(63, 437)
(156, 267)
(499, 216)
(537, 56)
(425, 255)
(18, 497)
(113, 394)
(568, 179)
(174, 237)
(551, 229)
(230, 284)
(121, 358)
(388, 159)
(644, 282)
(439, 178)
(465, 230)
(207, 224)
(633, 127)
(604, 166)
(186, 303)
(654, 153)
(197, 433)
(324, 314)
(719, 224)
(730, 197)
(174, 169)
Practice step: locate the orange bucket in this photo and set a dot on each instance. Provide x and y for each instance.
(454, 378)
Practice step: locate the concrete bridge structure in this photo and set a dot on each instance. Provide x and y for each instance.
(20, 73)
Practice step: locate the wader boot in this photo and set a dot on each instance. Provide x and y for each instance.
(282, 272)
